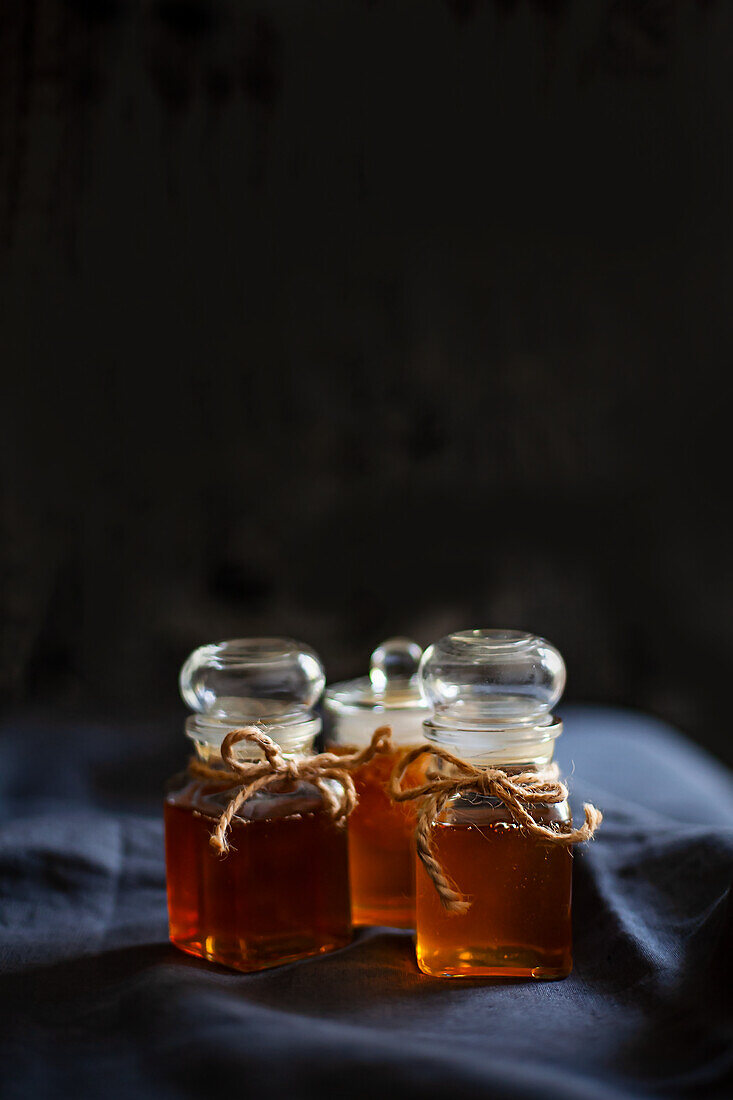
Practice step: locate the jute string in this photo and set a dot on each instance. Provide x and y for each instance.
(277, 769)
(516, 792)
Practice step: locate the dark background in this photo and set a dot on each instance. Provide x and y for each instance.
(342, 319)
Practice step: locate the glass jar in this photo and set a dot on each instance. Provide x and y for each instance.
(492, 692)
(282, 891)
(381, 843)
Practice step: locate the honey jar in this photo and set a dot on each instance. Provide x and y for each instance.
(492, 693)
(280, 890)
(381, 845)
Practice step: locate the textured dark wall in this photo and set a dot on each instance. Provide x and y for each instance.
(343, 319)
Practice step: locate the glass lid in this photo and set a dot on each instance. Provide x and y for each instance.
(265, 680)
(492, 678)
(392, 682)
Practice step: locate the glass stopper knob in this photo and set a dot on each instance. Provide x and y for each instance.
(252, 678)
(492, 677)
(394, 663)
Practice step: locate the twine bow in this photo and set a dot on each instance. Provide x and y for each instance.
(516, 792)
(276, 769)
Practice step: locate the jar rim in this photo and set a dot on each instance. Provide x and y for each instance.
(546, 730)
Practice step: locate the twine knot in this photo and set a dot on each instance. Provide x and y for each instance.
(516, 792)
(278, 770)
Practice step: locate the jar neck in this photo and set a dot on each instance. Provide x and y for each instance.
(208, 734)
(509, 747)
(354, 726)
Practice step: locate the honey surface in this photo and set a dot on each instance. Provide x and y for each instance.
(279, 894)
(520, 888)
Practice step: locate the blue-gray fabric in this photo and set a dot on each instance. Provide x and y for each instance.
(94, 1002)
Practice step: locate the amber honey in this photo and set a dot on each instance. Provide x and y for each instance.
(280, 894)
(381, 848)
(520, 888)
